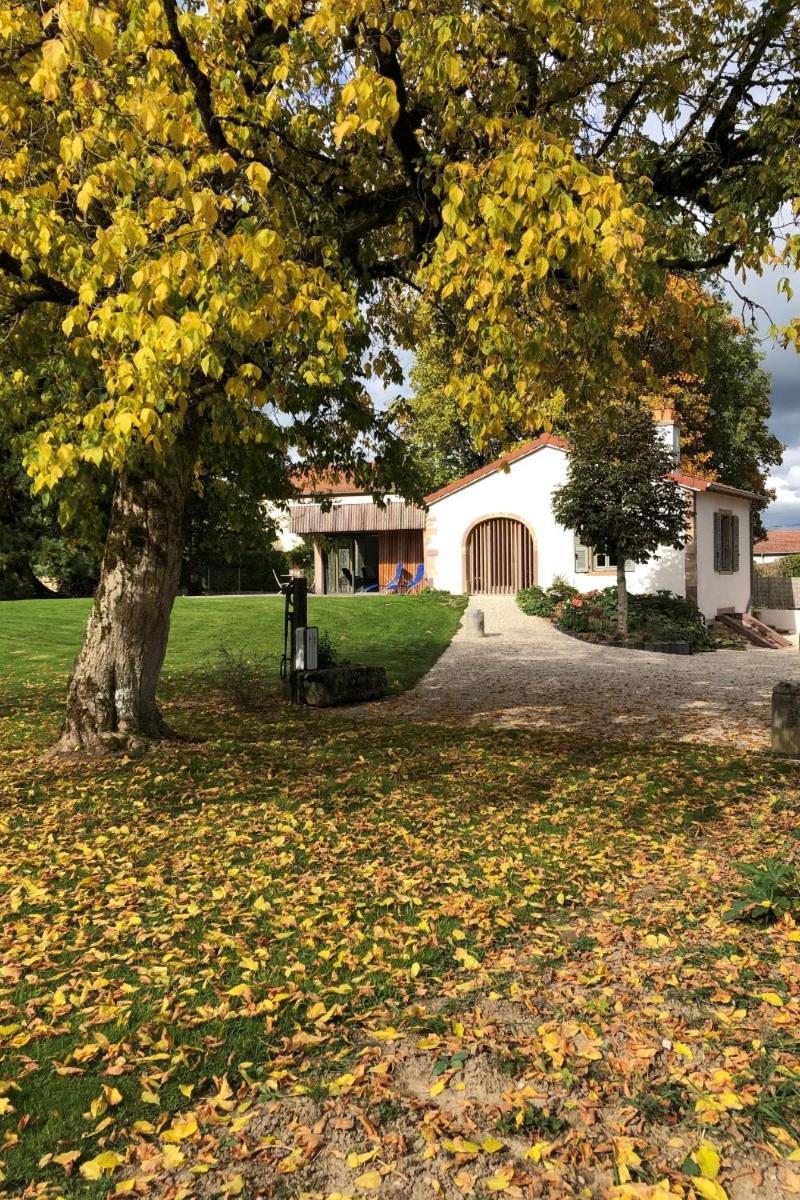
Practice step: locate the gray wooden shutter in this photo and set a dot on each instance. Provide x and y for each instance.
(630, 565)
(717, 541)
(583, 558)
(734, 543)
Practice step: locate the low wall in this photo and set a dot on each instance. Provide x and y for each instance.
(785, 620)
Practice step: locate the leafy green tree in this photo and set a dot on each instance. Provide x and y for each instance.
(228, 522)
(619, 497)
(737, 438)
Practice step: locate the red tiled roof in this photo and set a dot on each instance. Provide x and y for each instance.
(326, 484)
(547, 439)
(694, 482)
(779, 541)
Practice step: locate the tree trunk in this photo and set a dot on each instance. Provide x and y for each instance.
(111, 699)
(622, 596)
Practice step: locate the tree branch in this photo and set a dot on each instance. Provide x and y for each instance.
(721, 259)
(48, 289)
(621, 118)
(199, 81)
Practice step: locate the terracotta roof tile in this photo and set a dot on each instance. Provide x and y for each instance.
(326, 484)
(779, 541)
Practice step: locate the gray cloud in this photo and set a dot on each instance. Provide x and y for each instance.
(784, 367)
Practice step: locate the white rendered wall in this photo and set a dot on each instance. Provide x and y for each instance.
(525, 491)
(719, 590)
(785, 620)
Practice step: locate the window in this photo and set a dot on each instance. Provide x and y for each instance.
(726, 543)
(587, 560)
(603, 562)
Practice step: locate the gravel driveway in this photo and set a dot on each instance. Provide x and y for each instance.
(526, 673)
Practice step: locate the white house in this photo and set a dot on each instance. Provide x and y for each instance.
(494, 531)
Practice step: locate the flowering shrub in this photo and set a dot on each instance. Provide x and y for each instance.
(546, 602)
(657, 617)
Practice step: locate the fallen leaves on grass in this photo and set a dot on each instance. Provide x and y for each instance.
(363, 962)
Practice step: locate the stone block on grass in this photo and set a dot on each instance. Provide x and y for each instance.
(345, 684)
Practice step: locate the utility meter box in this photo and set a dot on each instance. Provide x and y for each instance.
(306, 642)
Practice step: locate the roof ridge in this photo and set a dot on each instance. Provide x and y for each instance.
(511, 456)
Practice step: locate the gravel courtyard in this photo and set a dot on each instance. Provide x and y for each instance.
(526, 673)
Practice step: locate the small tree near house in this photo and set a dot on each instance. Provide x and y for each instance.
(619, 497)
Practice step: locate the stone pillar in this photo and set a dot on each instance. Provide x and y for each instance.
(786, 719)
(473, 622)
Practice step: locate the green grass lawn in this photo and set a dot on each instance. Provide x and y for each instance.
(40, 638)
(308, 956)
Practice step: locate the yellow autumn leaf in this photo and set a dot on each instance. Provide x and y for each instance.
(102, 42)
(708, 1160)
(709, 1189)
(180, 1129)
(358, 1160)
(501, 1180)
(461, 1145)
(490, 1145)
(438, 1087)
(258, 176)
(95, 1168)
(370, 1181)
(772, 998)
(172, 1157)
(538, 1151)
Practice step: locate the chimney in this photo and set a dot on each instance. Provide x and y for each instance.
(669, 430)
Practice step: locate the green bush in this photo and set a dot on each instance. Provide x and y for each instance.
(790, 566)
(560, 590)
(770, 892)
(326, 651)
(536, 602)
(657, 617)
(544, 602)
(577, 616)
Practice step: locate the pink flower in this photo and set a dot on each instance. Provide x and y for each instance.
(577, 602)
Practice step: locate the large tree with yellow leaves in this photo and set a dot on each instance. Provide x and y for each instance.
(209, 212)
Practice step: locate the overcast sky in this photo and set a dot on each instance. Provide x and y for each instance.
(784, 367)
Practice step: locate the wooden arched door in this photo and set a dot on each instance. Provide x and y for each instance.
(501, 556)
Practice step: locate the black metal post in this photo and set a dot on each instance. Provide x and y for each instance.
(299, 619)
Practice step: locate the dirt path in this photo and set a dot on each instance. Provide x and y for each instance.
(526, 673)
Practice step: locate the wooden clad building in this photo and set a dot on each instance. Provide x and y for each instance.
(358, 544)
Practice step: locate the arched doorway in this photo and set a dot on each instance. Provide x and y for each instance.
(500, 556)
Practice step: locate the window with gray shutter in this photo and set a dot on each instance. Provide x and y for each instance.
(726, 543)
(583, 558)
(717, 541)
(734, 543)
